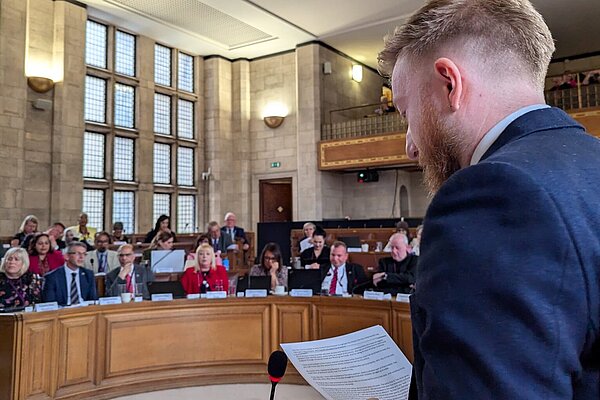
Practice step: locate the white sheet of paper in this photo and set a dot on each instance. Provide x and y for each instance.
(365, 364)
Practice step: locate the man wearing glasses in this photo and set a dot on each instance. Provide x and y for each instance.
(71, 284)
(128, 275)
(102, 260)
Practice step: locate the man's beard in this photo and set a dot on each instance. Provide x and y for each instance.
(439, 152)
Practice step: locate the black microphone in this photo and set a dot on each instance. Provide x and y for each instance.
(365, 283)
(276, 369)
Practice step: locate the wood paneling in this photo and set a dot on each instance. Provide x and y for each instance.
(403, 329)
(102, 352)
(38, 342)
(77, 351)
(362, 152)
(590, 120)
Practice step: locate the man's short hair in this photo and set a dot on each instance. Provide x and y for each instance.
(211, 224)
(71, 246)
(502, 31)
(123, 247)
(103, 233)
(60, 224)
(339, 243)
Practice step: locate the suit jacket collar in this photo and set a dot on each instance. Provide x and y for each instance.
(534, 121)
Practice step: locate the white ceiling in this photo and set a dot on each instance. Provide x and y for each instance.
(250, 29)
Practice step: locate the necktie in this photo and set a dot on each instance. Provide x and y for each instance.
(74, 294)
(128, 285)
(334, 280)
(101, 261)
(215, 245)
(231, 234)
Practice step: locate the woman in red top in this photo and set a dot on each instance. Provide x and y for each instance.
(42, 258)
(205, 275)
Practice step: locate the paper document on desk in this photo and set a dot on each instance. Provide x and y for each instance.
(362, 365)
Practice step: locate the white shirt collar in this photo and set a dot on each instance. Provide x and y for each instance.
(490, 137)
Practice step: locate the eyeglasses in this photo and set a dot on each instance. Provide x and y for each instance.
(78, 253)
(125, 254)
(270, 259)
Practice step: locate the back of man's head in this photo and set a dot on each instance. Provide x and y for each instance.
(507, 37)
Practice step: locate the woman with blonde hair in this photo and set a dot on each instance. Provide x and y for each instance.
(19, 287)
(29, 226)
(205, 275)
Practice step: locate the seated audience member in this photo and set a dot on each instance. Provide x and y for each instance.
(234, 232)
(397, 274)
(203, 238)
(318, 255)
(163, 224)
(42, 257)
(205, 275)
(28, 227)
(19, 287)
(55, 233)
(101, 260)
(218, 240)
(385, 106)
(118, 237)
(82, 232)
(128, 274)
(415, 244)
(271, 264)
(162, 241)
(72, 283)
(309, 229)
(401, 227)
(338, 276)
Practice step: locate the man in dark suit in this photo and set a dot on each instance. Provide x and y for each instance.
(70, 284)
(396, 274)
(233, 231)
(218, 240)
(128, 275)
(507, 301)
(339, 277)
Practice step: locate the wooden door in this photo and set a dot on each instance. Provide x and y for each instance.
(276, 200)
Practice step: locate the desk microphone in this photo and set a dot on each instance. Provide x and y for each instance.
(366, 283)
(276, 369)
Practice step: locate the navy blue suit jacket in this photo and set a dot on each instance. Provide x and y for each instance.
(237, 232)
(507, 300)
(55, 286)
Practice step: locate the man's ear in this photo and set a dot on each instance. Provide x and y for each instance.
(448, 74)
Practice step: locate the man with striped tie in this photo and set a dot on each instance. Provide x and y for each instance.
(126, 277)
(71, 284)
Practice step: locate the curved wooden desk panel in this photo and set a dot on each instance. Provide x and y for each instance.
(100, 352)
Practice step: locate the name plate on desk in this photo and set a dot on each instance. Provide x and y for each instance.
(301, 293)
(162, 297)
(103, 301)
(370, 295)
(51, 306)
(256, 293)
(403, 297)
(192, 296)
(216, 295)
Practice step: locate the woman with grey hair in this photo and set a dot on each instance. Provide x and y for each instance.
(19, 287)
(306, 243)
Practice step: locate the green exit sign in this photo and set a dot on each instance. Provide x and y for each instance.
(275, 164)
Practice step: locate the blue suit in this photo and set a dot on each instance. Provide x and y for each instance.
(507, 301)
(55, 286)
(237, 232)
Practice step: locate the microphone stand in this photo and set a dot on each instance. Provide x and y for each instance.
(273, 384)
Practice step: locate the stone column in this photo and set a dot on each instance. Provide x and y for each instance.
(13, 103)
(309, 132)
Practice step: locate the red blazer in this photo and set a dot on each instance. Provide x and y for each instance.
(55, 260)
(191, 280)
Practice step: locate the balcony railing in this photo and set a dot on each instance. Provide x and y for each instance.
(577, 98)
(370, 124)
(582, 96)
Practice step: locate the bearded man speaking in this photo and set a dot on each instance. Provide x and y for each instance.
(507, 301)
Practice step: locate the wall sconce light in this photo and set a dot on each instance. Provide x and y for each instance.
(40, 84)
(357, 72)
(274, 114)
